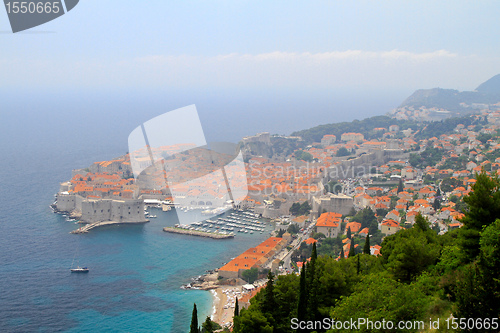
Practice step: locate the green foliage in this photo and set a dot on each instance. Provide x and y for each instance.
(421, 222)
(447, 126)
(208, 326)
(269, 303)
(365, 127)
(251, 322)
(409, 252)
(284, 147)
(330, 246)
(293, 229)
(236, 308)
(342, 152)
(470, 294)
(382, 212)
(298, 209)
(250, 275)
(333, 187)
(318, 235)
(303, 295)
(429, 157)
(194, 320)
(449, 184)
(303, 252)
(400, 185)
(420, 275)
(483, 137)
(303, 155)
(286, 296)
(436, 204)
(483, 209)
(366, 247)
(489, 264)
(455, 163)
(378, 298)
(367, 218)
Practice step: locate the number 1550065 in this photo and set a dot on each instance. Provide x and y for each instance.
(33, 7)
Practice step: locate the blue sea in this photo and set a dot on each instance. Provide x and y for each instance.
(135, 271)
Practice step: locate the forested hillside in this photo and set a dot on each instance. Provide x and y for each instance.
(419, 275)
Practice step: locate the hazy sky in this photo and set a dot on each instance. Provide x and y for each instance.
(393, 45)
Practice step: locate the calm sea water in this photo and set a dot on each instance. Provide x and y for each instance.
(133, 285)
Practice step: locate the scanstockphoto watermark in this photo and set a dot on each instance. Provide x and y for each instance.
(25, 15)
(356, 324)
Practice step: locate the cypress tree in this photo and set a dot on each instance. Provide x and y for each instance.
(269, 303)
(349, 233)
(302, 304)
(236, 308)
(400, 185)
(352, 251)
(194, 321)
(314, 253)
(312, 287)
(358, 266)
(366, 248)
(436, 204)
(342, 255)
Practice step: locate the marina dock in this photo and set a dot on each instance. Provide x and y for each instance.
(190, 232)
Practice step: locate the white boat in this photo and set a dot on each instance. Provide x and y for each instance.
(79, 269)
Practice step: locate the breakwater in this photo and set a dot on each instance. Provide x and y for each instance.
(198, 233)
(86, 228)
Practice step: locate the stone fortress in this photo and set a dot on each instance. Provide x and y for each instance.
(90, 210)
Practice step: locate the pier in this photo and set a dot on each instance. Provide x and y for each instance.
(190, 232)
(86, 228)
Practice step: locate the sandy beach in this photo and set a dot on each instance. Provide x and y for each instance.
(224, 301)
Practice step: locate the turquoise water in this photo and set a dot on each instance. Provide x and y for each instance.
(133, 283)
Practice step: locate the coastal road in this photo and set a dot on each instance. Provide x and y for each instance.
(295, 245)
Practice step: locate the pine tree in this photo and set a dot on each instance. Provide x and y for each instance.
(366, 248)
(236, 308)
(348, 233)
(194, 321)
